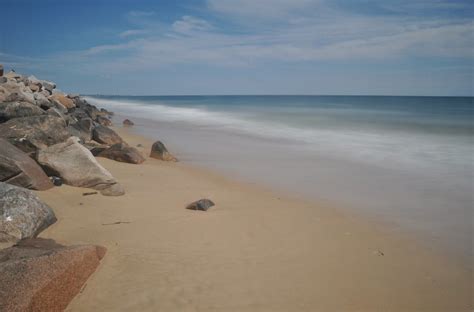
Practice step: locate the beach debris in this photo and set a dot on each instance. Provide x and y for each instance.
(202, 205)
(117, 222)
(41, 275)
(89, 193)
(128, 123)
(23, 215)
(123, 153)
(159, 151)
(19, 169)
(139, 145)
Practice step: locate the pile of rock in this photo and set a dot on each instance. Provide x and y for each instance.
(48, 138)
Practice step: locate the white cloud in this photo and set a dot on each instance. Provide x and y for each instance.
(188, 24)
(133, 32)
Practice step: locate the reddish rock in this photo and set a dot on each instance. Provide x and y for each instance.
(64, 100)
(41, 275)
(128, 123)
(17, 168)
(123, 153)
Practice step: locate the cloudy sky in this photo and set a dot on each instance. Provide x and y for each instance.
(393, 47)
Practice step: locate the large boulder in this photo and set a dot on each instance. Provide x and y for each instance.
(105, 135)
(159, 151)
(14, 91)
(31, 133)
(76, 165)
(18, 169)
(22, 215)
(9, 110)
(104, 121)
(123, 153)
(63, 99)
(82, 129)
(41, 275)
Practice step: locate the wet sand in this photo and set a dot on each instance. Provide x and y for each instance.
(256, 250)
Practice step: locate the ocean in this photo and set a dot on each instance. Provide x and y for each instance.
(405, 161)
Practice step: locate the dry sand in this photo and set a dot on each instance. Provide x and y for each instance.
(254, 251)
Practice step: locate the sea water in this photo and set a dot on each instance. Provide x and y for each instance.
(406, 160)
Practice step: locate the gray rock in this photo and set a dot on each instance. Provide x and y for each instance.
(22, 214)
(42, 101)
(31, 133)
(104, 121)
(159, 151)
(128, 123)
(76, 165)
(123, 153)
(9, 110)
(3, 79)
(41, 275)
(18, 169)
(82, 129)
(202, 205)
(47, 85)
(105, 135)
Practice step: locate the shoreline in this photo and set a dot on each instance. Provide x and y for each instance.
(255, 250)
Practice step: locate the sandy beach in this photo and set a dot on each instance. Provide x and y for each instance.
(256, 250)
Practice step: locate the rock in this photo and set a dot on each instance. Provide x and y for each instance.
(63, 99)
(22, 215)
(13, 91)
(53, 111)
(42, 101)
(57, 181)
(47, 85)
(18, 169)
(114, 190)
(104, 121)
(34, 88)
(12, 74)
(82, 129)
(128, 123)
(9, 110)
(3, 79)
(105, 135)
(202, 204)
(159, 151)
(76, 165)
(31, 133)
(41, 275)
(123, 153)
(1, 70)
(94, 147)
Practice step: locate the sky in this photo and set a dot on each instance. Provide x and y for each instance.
(340, 47)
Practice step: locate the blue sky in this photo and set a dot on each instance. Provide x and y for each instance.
(403, 47)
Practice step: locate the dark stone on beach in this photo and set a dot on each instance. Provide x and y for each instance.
(123, 153)
(202, 205)
(18, 169)
(128, 123)
(31, 133)
(41, 275)
(57, 181)
(105, 135)
(159, 151)
(22, 215)
(104, 121)
(10, 110)
(76, 165)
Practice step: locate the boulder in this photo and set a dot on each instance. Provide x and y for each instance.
(202, 205)
(42, 101)
(31, 133)
(13, 91)
(76, 165)
(123, 153)
(41, 275)
(104, 121)
(47, 85)
(18, 169)
(22, 215)
(82, 129)
(9, 110)
(3, 79)
(34, 88)
(159, 151)
(128, 123)
(13, 75)
(63, 99)
(105, 135)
